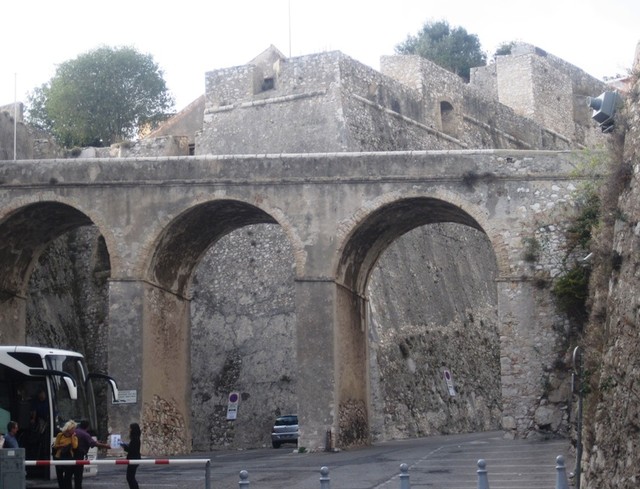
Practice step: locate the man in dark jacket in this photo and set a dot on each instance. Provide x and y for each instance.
(85, 442)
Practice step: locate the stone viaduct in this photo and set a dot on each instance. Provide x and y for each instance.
(395, 157)
(339, 211)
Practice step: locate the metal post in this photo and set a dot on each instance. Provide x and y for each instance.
(207, 475)
(244, 480)
(577, 374)
(561, 474)
(483, 478)
(404, 477)
(325, 482)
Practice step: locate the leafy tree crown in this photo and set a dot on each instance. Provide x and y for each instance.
(452, 48)
(101, 97)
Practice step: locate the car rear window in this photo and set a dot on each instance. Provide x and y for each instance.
(286, 421)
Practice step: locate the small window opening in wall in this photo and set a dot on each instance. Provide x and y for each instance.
(268, 84)
(447, 118)
(395, 106)
(192, 149)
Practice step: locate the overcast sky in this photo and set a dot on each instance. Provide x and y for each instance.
(187, 38)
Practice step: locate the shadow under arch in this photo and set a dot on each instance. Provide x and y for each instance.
(184, 242)
(24, 235)
(360, 253)
(379, 229)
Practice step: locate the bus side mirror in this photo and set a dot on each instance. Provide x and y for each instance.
(110, 380)
(71, 387)
(69, 381)
(114, 390)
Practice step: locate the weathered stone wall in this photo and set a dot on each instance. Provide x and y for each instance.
(31, 144)
(433, 306)
(24, 148)
(545, 88)
(67, 303)
(612, 422)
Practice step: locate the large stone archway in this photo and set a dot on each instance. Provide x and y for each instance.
(369, 239)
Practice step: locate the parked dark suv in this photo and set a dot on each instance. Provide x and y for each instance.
(285, 430)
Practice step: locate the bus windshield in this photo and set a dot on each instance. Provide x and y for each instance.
(64, 407)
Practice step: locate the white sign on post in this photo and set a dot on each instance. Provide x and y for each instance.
(126, 397)
(232, 407)
(449, 382)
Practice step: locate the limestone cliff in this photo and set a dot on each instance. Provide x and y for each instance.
(612, 346)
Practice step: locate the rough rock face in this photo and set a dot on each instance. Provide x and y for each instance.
(433, 302)
(612, 421)
(68, 300)
(433, 307)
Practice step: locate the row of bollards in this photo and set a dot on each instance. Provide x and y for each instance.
(483, 477)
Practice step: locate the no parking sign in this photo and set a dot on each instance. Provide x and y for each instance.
(449, 382)
(232, 407)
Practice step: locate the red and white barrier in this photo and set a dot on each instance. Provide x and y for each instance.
(120, 461)
(124, 461)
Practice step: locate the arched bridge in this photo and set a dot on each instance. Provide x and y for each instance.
(339, 212)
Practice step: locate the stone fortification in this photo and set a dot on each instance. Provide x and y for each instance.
(31, 144)
(544, 88)
(330, 102)
(432, 298)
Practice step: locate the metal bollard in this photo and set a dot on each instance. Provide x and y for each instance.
(561, 474)
(325, 482)
(483, 479)
(404, 477)
(244, 480)
(207, 475)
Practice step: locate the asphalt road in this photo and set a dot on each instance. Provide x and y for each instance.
(439, 462)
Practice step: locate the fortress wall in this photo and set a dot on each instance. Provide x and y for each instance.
(488, 124)
(299, 114)
(383, 114)
(24, 143)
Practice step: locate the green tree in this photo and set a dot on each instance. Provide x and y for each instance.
(452, 48)
(101, 97)
(504, 49)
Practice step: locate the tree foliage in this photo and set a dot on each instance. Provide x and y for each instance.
(504, 49)
(452, 48)
(101, 97)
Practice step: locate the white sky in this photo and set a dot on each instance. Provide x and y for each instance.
(187, 38)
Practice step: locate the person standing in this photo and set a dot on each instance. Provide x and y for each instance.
(133, 453)
(85, 442)
(65, 445)
(10, 440)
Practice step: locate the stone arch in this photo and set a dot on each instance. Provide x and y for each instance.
(166, 319)
(25, 232)
(371, 235)
(184, 241)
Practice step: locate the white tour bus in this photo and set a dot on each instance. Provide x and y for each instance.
(41, 389)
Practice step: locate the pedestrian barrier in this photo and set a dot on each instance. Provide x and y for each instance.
(483, 476)
(325, 481)
(122, 461)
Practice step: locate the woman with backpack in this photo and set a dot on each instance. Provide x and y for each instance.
(64, 448)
